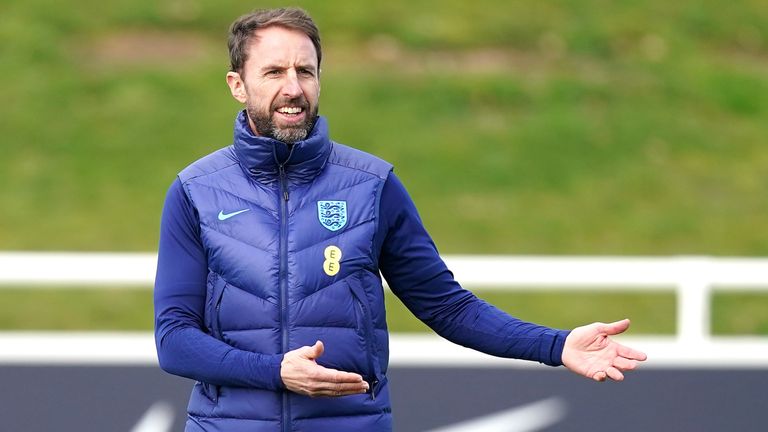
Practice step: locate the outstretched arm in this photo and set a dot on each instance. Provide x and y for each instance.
(412, 265)
(590, 351)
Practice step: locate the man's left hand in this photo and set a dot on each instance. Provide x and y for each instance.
(589, 351)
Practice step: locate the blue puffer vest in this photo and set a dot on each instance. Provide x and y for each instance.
(291, 261)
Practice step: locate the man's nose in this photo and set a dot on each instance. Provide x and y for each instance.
(291, 87)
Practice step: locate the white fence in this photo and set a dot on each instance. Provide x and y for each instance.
(691, 278)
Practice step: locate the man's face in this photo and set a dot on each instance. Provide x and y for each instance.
(279, 85)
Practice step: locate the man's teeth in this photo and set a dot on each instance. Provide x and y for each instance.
(290, 110)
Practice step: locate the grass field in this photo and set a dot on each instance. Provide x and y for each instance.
(626, 128)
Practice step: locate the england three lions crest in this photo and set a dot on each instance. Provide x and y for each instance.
(332, 214)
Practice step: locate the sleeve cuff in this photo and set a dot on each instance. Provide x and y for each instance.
(558, 343)
(265, 371)
(274, 369)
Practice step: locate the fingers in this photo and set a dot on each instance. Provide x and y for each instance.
(611, 372)
(631, 353)
(331, 382)
(338, 388)
(624, 364)
(617, 366)
(336, 376)
(614, 374)
(614, 368)
(599, 376)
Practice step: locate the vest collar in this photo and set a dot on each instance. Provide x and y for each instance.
(261, 155)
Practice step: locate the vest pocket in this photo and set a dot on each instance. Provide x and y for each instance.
(210, 391)
(217, 286)
(365, 327)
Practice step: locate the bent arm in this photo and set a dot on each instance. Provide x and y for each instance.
(183, 345)
(414, 270)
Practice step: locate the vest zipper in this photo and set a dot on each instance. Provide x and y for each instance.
(284, 280)
(220, 336)
(368, 335)
(211, 389)
(374, 381)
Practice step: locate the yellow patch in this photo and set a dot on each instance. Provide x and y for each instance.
(332, 264)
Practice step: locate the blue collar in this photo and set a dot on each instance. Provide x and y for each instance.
(261, 156)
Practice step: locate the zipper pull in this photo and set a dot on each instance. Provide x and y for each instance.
(283, 182)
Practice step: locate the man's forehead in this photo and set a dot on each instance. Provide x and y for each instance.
(282, 45)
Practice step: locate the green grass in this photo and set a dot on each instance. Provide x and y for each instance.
(555, 128)
(626, 128)
(740, 313)
(75, 309)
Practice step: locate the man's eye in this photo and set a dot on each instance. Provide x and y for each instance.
(306, 72)
(273, 72)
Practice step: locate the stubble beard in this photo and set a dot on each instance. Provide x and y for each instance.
(265, 124)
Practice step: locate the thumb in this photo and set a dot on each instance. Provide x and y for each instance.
(615, 328)
(316, 350)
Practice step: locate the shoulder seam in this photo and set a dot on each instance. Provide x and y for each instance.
(340, 162)
(209, 172)
(357, 169)
(194, 166)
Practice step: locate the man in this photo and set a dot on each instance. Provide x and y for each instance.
(268, 291)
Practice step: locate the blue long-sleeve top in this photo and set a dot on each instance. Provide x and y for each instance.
(409, 261)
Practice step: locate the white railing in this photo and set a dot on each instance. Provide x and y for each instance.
(691, 278)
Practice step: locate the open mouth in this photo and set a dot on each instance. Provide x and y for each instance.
(290, 111)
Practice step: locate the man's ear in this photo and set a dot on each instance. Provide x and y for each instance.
(236, 86)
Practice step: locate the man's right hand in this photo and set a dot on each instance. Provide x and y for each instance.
(301, 374)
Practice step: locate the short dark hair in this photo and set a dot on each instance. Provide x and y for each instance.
(241, 31)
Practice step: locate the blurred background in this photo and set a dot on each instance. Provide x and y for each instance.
(520, 128)
(554, 128)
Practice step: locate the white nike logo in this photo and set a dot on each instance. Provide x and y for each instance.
(530, 417)
(158, 418)
(225, 216)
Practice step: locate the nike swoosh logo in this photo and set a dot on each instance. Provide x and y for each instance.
(530, 417)
(225, 216)
(158, 418)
